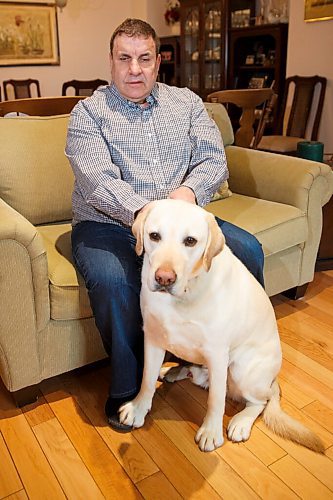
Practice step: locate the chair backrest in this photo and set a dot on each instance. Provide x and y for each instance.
(301, 105)
(21, 88)
(41, 106)
(248, 100)
(83, 87)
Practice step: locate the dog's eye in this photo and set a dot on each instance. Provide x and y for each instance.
(155, 236)
(190, 242)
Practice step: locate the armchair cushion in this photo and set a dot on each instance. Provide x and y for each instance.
(265, 219)
(68, 294)
(40, 194)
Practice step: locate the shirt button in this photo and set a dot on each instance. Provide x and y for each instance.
(155, 162)
(161, 186)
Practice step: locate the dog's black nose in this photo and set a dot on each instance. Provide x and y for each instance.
(165, 276)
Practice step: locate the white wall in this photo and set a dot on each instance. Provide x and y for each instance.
(309, 53)
(85, 27)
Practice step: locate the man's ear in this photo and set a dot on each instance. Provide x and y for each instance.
(138, 228)
(215, 241)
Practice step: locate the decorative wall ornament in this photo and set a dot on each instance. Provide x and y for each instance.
(318, 10)
(172, 13)
(28, 34)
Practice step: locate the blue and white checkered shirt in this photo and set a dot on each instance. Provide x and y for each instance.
(124, 156)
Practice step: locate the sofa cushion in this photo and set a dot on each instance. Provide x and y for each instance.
(219, 114)
(68, 294)
(35, 175)
(267, 220)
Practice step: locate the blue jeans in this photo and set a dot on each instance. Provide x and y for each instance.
(105, 256)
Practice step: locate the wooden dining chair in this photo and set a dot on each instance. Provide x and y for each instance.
(21, 88)
(41, 106)
(248, 100)
(83, 87)
(299, 116)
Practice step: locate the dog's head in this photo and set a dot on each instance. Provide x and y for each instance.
(180, 241)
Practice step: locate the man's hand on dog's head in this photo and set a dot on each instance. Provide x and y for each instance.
(183, 193)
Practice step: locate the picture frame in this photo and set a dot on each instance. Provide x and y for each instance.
(28, 34)
(257, 82)
(318, 10)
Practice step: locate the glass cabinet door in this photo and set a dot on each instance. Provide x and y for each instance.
(192, 47)
(213, 46)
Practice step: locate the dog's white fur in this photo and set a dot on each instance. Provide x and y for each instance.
(199, 302)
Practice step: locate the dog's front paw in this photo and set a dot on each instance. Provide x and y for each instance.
(239, 428)
(209, 437)
(133, 413)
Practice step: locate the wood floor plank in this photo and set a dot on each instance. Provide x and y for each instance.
(157, 486)
(237, 456)
(291, 393)
(90, 391)
(308, 385)
(312, 341)
(321, 414)
(19, 495)
(34, 470)
(101, 463)
(259, 444)
(74, 477)
(311, 367)
(38, 412)
(9, 479)
(217, 472)
(289, 471)
(318, 465)
(184, 476)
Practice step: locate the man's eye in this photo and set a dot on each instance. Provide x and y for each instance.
(155, 236)
(190, 242)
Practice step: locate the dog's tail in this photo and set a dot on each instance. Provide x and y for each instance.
(285, 426)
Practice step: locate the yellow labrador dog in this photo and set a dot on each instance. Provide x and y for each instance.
(200, 303)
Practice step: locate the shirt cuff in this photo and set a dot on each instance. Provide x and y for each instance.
(197, 187)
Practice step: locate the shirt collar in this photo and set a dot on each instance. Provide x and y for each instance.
(151, 99)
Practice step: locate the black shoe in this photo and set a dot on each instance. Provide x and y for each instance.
(112, 406)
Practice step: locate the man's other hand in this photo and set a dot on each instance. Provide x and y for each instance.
(183, 193)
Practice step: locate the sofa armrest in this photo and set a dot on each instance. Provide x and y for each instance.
(274, 177)
(24, 295)
(304, 184)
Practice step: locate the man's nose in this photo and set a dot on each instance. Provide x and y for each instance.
(135, 67)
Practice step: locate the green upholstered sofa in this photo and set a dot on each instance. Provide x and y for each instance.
(46, 324)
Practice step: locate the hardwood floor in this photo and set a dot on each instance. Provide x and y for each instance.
(61, 446)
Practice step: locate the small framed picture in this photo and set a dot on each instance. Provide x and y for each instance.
(257, 82)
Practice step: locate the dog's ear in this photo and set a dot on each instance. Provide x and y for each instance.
(137, 229)
(215, 242)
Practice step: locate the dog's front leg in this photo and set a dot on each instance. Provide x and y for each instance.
(210, 434)
(134, 412)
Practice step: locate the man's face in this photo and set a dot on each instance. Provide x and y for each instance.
(134, 66)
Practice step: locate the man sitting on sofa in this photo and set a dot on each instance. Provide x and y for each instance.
(133, 142)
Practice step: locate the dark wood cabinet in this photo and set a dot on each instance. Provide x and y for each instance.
(204, 42)
(257, 57)
(170, 60)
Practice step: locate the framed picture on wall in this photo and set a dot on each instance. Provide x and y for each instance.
(318, 10)
(28, 34)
